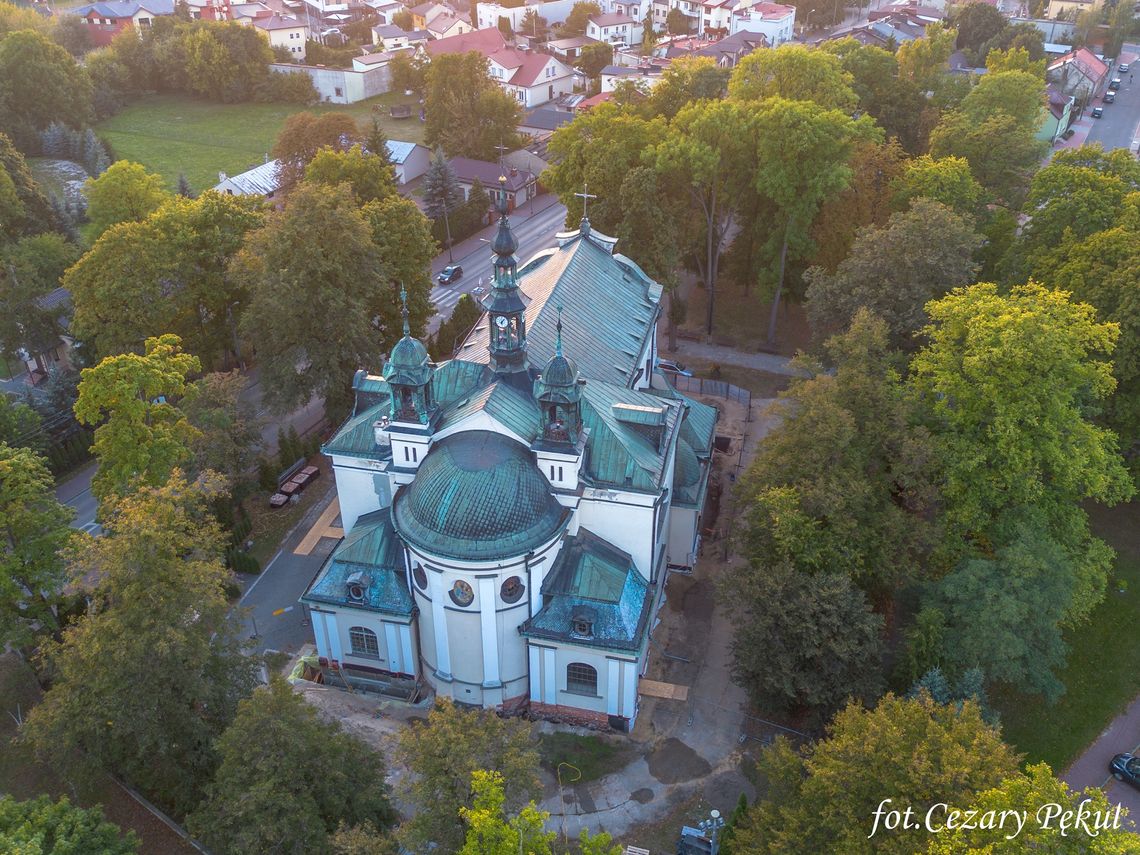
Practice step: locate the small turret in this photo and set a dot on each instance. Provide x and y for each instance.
(504, 303)
(408, 371)
(559, 394)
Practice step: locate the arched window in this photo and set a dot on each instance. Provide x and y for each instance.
(363, 641)
(581, 679)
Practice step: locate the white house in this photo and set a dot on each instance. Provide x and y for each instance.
(554, 11)
(531, 78)
(445, 24)
(614, 29)
(288, 33)
(646, 76)
(346, 85)
(259, 181)
(774, 20)
(511, 515)
(410, 159)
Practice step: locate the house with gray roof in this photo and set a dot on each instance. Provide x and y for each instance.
(260, 181)
(512, 513)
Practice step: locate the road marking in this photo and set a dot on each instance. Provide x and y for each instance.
(321, 528)
(280, 612)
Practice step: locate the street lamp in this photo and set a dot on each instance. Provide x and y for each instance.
(711, 828)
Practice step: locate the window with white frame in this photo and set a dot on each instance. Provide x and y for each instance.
(364, 643)
(581, 679)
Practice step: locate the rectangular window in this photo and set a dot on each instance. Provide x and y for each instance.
(559, 473)
(552, 473)
(339, 92)
(415, 455)
(364, 642)
(407, 454)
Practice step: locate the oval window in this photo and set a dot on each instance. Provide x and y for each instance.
(512, 590)
(420, 577)
(461, 593)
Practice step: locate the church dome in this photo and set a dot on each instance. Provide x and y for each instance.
(478, 496)
(558, 382)
(409, 363)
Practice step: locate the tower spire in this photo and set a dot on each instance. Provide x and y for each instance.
(558, 331)
(404, 309)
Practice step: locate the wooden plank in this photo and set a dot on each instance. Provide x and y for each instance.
(656, 689)
(321, 528)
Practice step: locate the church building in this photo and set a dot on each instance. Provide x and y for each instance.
(511, 515)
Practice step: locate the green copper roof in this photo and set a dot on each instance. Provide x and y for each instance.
(613, 303)
(371, 557)
(621, 454)
(594, 581)
(477, 496)
(455, 379)
(686, 474)
(408, 364)
(516, 411)
(357, 437)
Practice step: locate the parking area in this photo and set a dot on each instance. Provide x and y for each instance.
(1117, 127)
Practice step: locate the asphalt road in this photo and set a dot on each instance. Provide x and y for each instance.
(1118, 127)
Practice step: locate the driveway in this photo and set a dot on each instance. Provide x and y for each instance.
(1091, 768)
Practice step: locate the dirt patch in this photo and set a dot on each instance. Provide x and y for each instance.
(673, 762)
(642, 796)
(723, 791)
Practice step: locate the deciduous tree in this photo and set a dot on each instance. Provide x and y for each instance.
(594, 57)
(40, 83)
(35, 527)
(491, 832)
(575, 23)
(142, 435)
(305, 134)
(924, 61)
(124, 193)
(468, 113)
(146, 681)
(946, 180)
(43, 827)
(286, 779)
(402, 234)
(685, 80)
(443, 752)
(229, 429)
(1002, 152)
(370, 176)
(796, 73)
(30, 269)
(24, 209)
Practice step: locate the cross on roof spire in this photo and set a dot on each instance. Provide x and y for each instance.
(558, 330)
(404, 309)
(585, 196)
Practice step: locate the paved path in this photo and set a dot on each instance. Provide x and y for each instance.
(771, 362)
(1091, 768)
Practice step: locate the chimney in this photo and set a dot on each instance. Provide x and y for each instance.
(222, 177)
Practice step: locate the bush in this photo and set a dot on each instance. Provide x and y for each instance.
(267, 474)
(286, 87)
(242, 562)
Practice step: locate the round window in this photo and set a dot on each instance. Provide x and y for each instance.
(461, 594)
(512, 590)
(420, 577)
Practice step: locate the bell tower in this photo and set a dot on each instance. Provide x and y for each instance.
(408, 372)
(505, 303)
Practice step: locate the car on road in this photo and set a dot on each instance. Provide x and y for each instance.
(1114, 85)
(478, 289)
(1097, 112)
(1109, 97)
(450, 274)
(671, 367)
(1122, 68)
(1126, 767)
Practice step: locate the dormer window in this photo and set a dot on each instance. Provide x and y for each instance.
(355, 586)
(582, 628)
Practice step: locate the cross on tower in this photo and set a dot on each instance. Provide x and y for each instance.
(585, 196)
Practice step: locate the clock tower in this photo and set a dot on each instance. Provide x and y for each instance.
(505, 304)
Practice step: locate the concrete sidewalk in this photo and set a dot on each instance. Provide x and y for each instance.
(773, 363)
(1091, 768)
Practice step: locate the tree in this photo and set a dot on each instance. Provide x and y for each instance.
(286, 779)
(491, 832)
(802, 153)
(580, 14)
(72, 34)
(924, 61)
(30, 269)
(152, 674)
(451, 332)
(184, 188)
(402, 235)
(124, 193)
(919, 752)
(404, 20)
(1015, 93)
(685, 80)
(1015, 59)
(40, 83)
(796, 73)
(534, 25)
(441, 192)
(376, 143)
(1002, 152)
(894, 271)
(409, 73)
(710, 151)
(677, 22)
(976, 24)
(20, 425)
(443, 752)
(594, 57)
(228, 427)
(371, 177)
(468, 113)
(305, 134)
(35, 529)
(946, 180)
(802, 642)
(1008, 381)
(1024, 794)
(845, 483)
(311, 266)
(43, 827)
(24, 209)
(141, 435)
(363, 839)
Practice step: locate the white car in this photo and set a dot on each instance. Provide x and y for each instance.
(671, 367)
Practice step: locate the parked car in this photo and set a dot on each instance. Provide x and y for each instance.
(1122, 68)
(1114, 85)
(671, 367)
(1126, 767)
(450, 274)
(1109, 97)
(1097, 112)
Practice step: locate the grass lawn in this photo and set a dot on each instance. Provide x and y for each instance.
(270, 525)
(173, 134)
(1103, 671)
(741, 320)
(594, 756)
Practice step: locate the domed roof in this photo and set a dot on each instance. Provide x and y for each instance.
(558, 383)
(408, 364)
(478, 495)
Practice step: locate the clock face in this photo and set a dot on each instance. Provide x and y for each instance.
(501, 322)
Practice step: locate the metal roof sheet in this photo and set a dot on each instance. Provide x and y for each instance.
(372, 555)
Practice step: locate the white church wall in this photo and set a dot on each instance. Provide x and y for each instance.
(623, 519)
(362, 487)
(682, 536)
(617, 676)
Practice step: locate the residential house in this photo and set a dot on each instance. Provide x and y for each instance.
(528, 77)
(593, 101)
(287, 33)
(447, 24)
(1070, 9)
(259, 181)
(209, 10)
(544, 121)
(370, 61)
(646, 76)
(568, 49)
(392, 38)
(1059, 115)
(385, 9)
(106, 20)
(511, 515)
(554, 11)
(411, 160)
(55, 348)
(727, 52)
(614, 29)
(1078, 73)
(422, 13)
(776, 21)
(674, 47)
(519, 187)
(345, 85)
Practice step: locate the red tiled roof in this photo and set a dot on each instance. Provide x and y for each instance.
(1085, 60)
(528, 66)
(594, 101)
(486, 41)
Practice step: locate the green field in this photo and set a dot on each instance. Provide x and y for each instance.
(173, 134)
(1103, 672)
